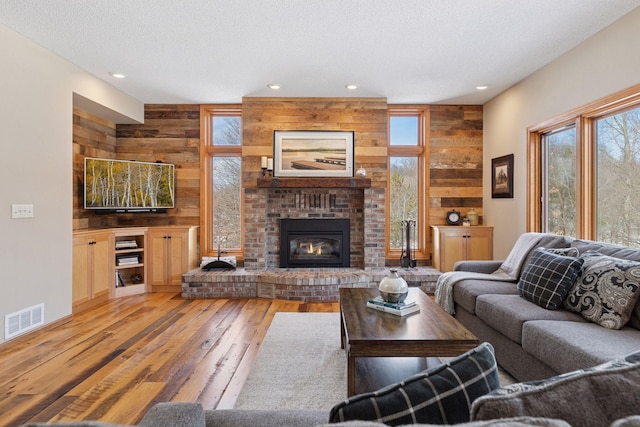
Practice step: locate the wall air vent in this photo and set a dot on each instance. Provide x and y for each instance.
(23, 321)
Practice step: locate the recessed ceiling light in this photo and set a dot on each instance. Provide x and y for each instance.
(482, 87)
(117, 75)
(273, 86)
(351, 86)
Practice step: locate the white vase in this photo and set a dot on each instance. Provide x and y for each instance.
(393, 288)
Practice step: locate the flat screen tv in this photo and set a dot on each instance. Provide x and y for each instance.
(128, 186)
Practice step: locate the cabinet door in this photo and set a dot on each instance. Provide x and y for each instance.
(157, 265)
(101, 265)
(453, 248)
(480, 245)
(177, 261)
(81, 280)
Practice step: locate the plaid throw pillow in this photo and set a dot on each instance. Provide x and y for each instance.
(546, 280)
(442, 395)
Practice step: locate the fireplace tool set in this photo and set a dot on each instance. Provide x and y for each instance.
(407, 258)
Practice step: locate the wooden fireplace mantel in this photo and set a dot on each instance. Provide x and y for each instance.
(289, 182)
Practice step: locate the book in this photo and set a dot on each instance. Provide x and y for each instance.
(119, 279)
(398, 306)
(126, 244)
(398, 312)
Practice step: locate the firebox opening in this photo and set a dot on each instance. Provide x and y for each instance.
(314, 243)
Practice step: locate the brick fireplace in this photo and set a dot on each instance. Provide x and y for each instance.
(265, 206)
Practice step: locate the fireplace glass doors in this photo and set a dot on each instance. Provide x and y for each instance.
(314, 243)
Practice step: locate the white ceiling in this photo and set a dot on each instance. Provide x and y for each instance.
(217, 51)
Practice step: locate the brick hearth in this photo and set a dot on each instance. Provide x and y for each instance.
(277, 198)
(308, 285)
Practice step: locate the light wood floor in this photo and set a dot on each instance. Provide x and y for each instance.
(113, 362)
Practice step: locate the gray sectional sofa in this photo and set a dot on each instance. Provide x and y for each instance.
(532, 342)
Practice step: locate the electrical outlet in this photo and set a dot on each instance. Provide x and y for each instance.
(21, 211)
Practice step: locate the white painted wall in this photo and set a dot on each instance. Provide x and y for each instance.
(36, 105)
(604, 64)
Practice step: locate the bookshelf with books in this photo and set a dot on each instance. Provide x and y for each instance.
(129, 261)
(399, 309)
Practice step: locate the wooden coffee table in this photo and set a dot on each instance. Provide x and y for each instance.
(416, 339)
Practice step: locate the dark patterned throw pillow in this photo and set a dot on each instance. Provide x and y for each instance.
(548, 277)
(607, 291)
(442, 395)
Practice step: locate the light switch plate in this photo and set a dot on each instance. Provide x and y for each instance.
(21, 211)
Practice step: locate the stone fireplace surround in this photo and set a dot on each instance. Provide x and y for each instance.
(273, 200)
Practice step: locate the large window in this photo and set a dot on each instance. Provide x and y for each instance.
(406, 185)
(584, 172)
(222, 216)
(618, 178)
(559, 150)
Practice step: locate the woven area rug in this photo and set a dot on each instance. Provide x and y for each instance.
(299, 365)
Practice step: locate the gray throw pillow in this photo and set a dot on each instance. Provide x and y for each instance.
(596, 396)
(442, 395)
(607, 290)
(547, 278)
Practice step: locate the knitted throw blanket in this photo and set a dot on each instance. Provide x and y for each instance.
(509, 271)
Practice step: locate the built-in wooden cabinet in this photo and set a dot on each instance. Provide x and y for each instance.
(457, 243)
(172, 252)
(117, 262)
(129, 261)
(92, 269)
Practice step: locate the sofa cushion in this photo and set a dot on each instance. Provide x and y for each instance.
(442, 395)
(508, 313)
(610, 249)
(596, 396)
(548, 277)
(506, 422)
(265, 417)
(607, 291)
(466, 291)
(567, 346)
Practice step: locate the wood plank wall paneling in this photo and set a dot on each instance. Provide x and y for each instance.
(92, 137)
(171, 134)
(455, 169)
(367, 117)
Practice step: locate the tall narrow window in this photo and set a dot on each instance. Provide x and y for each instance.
(222, 216)
(405, 186)
(618, 178)
(559, 199)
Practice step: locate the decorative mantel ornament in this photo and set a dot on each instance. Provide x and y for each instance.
(393, 288)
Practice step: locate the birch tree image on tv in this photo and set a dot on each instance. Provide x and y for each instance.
(125, 184)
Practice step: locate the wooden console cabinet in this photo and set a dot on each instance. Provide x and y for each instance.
(117, 262)
(172, 252)
(458, 243)
(92, 269)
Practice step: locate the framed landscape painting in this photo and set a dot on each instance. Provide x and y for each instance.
(313, 153)
(502, 177)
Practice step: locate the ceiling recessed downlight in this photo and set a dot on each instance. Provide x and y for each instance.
(116, 75)
(351, 86)
(273, 86)
(482, 87)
